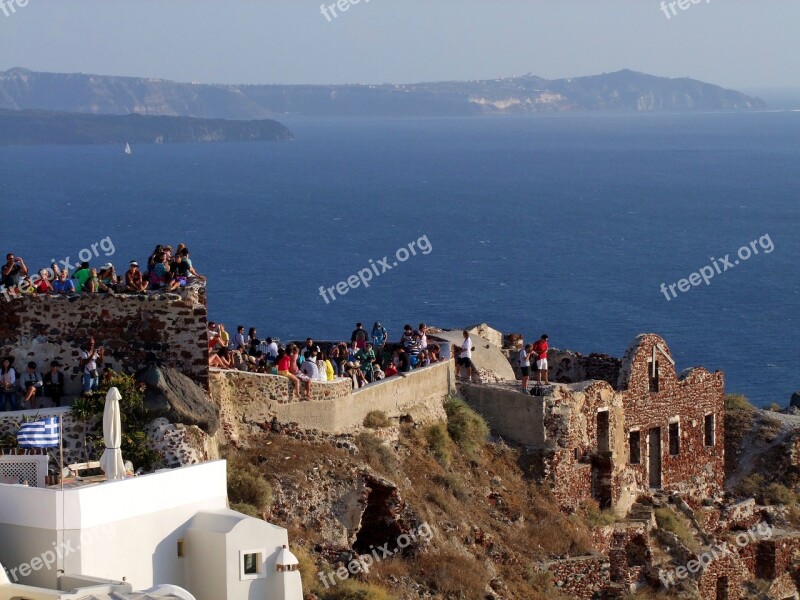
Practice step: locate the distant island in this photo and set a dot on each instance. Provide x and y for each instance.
(32, 127)
(623, 91)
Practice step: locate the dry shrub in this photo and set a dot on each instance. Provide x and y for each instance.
(466, 427)
(377, 454)
(247, 486)
(452, 575)
(738, 402)
(676, 523)
(439, 443)
(376, 419)
(351, 589)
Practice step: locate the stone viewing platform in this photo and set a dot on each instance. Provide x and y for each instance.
(251, 400)
(135, 329)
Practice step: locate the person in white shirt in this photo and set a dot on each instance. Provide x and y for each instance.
(423, 340)
(272, 350)
(89, 357)
(310, 370)
(239, 342)
(525, 365)
(465, 356)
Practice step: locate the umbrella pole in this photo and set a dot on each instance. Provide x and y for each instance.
(61, 450)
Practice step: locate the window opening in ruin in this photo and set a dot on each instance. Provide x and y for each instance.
(603, 432)
(654, 457)
(652, 373)
(710, 436)
(635, 447)
(722, 588)
(674, 439)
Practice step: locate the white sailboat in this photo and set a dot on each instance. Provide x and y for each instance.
(128, 148)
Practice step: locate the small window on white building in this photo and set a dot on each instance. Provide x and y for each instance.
(251, 564)
(181, 549)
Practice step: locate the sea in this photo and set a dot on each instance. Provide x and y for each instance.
(562, 224)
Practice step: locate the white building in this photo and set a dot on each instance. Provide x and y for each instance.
(171, 527)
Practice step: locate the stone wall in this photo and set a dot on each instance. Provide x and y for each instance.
(510, 414)
(580, 577)
(249, 401)
(167, 328)
(178, 444)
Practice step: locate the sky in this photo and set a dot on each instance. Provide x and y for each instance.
(735, 43)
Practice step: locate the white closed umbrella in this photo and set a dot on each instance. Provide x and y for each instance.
(111, 461)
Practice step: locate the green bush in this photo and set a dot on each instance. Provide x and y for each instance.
(246, 485)
(466, 427)
(376, 419)
(738, 402)
(439, 443)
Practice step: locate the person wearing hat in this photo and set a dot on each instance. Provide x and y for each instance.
(32, 384)
(134, 282)
(8, 384)
(108, 276)
(54, 384)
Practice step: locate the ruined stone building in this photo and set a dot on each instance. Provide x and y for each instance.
(614, 429)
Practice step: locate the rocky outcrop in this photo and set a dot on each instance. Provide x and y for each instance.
(171, 394)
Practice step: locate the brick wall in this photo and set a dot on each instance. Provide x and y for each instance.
(168, 328)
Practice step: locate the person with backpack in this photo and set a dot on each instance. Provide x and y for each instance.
(540, 348)
(379, 337)
(525, 365)
(359, 336)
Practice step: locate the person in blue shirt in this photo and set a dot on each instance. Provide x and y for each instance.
(379, 337)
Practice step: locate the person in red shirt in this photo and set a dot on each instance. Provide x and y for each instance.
(284, 369)
(540, 348)
(389, 371)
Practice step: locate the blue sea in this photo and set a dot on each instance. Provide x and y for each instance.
(564, 224)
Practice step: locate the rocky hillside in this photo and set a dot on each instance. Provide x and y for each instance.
(21, 89)
(447, 511)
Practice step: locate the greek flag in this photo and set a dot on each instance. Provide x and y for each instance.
(39, 434)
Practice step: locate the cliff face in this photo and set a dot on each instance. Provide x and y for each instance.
(622, 91)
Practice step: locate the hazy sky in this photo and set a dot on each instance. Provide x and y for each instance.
(735, 43)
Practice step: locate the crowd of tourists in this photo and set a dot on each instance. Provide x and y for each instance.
(165, 270)
(369, 356)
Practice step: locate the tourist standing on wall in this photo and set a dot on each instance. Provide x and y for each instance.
(379, 337)
(525, 365)
(89, 357)
(238, 339)
(465, 356)
(540, 349)
(359, 336)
